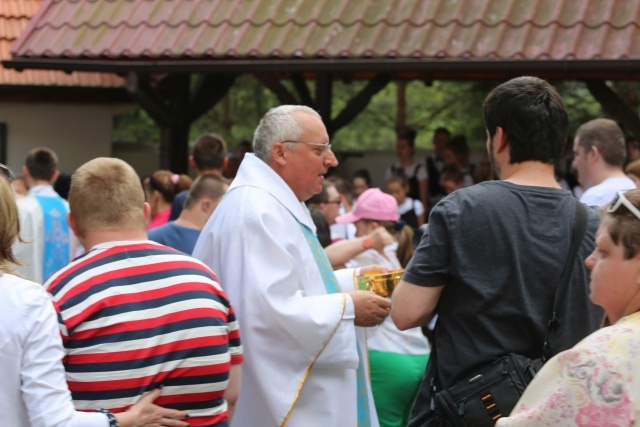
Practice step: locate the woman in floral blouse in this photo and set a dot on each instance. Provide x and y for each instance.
(597, 383)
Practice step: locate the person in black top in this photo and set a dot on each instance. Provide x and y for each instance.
(489, 262)
(435, 163)
(411, 210)
(407, 166)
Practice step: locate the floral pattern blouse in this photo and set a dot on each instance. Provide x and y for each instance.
(596, 383)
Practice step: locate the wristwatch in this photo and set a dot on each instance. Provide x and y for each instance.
(367, 242)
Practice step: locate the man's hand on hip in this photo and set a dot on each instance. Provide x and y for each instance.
(370, 309)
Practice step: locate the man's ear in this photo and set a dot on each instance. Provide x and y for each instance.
(72, 224)
(501, 142)
(224, 164)
(55, 176)
(593, 153)
(147, 211)
(192, 163)
(279, 153)
(205, 204)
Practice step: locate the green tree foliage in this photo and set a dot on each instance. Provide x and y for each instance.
(456, 105)
(135, 127)
(237, 115)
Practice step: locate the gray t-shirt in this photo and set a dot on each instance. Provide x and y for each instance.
(499, 250)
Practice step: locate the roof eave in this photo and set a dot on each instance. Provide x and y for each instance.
(451, 68)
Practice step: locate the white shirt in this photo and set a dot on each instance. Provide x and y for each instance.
(409, 204)
(255, 245)
(603, 193)
(33, 391)
(409, 171)
(387, 337)
(342, 231)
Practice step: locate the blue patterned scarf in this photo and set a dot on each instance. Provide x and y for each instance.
(332, 287)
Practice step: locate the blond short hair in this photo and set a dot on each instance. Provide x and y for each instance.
(106, 195)
(9, 225)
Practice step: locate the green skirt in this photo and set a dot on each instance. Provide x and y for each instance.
(395, 380)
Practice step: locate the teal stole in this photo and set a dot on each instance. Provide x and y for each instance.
(332, 287)
(56, 252)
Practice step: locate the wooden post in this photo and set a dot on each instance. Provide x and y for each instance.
(323, 99)
(174, 143)
(401, 112)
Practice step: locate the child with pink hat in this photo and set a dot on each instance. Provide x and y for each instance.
(397, 359)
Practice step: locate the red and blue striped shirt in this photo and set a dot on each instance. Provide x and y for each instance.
(137, 315)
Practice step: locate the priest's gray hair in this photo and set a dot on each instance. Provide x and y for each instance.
(279, 124)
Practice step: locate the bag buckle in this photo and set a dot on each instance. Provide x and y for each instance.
(491, 406)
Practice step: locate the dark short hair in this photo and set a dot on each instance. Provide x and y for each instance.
(398, 179)
(42, 163)
(408, 134)
(321, 197)
(458, 145)
(632, 141)
(63, 185)
(209, 152)
(442, 130)
(167, 183)
(452, 173)
(322, 227)
(342, 185)
(607, 137)
(533, 117)
(207, 185)
(364, 174)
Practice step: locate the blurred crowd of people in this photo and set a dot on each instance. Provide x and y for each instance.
(232, 298)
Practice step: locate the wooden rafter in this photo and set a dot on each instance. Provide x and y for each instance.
(139, 88)
(614, 105)
(274, 85)
(360, 101)
(304, 94)
(207, 92)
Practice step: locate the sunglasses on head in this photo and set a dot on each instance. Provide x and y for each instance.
(620, 200)
(6, 172)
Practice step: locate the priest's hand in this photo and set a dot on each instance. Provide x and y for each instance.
(370, 309)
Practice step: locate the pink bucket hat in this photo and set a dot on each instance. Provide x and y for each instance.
(372, 204)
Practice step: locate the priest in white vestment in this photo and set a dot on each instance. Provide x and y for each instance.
(302, 364)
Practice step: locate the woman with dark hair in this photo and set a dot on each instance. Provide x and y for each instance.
(360, 182)
(160, 189)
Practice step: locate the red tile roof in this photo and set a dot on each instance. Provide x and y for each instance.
(338, 30)
(14, 17)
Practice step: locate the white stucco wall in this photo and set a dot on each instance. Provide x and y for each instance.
(145, 159)
(76, 132)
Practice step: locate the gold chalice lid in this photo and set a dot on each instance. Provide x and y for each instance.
(382, 284)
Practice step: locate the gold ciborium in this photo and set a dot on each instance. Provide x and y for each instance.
(382, 284)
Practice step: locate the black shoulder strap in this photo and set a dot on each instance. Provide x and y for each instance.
(579, 229)
(415, 171)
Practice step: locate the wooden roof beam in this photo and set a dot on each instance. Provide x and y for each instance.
(207, 92)
(614, 105)
(360, 101)
(139, 88)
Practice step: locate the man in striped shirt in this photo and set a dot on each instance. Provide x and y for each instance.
(135, 315)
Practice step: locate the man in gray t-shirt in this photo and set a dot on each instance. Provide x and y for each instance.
(490, 260)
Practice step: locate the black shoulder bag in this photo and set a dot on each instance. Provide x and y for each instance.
(493, 390)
